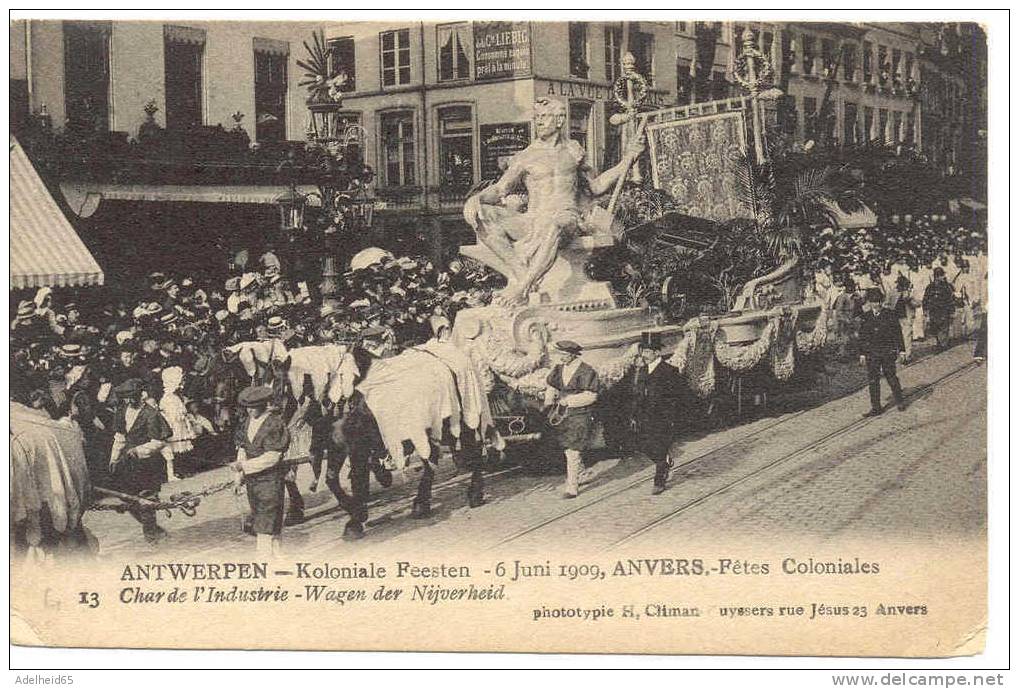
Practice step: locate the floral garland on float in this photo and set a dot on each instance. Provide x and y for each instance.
(812, 342)
(783, 349)
(743, 358)
(703, 345)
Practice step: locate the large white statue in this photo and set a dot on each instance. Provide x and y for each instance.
(554, 172)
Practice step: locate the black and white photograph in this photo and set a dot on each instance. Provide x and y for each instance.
(558, 335)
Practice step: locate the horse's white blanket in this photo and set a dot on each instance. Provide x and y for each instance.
(47, 468)
(331, 367)
(475, 411)
(258, 352)
(410, 396)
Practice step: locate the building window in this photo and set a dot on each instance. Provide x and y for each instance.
(882, 62)
(737, 39)
(578, 49)
(456, 146)
(684, 81)
(348, 126)
(613, 46)
(580, 124)
(896, 60)
(849, 125)
(849, 61)
(868, 65)
(808, 54)
(395, 47)
(398, 155)
(642, 45)
(897, 127)
(341, 61)
(453, 61)
(184, 52)
(910, 130)
(810, 116)
(907, 70)
(868, 123)
(787, 120)
(271, 89)
(682, 27)
(882, 122)
(767, 43)
(827, 56)
(87, 75)
(613, 144)
(719, 86)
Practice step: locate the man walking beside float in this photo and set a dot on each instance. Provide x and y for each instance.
(261, 441)
(657, 386)
(570, 403)
(140, 451)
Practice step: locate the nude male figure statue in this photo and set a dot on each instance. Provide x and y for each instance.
(551, 169)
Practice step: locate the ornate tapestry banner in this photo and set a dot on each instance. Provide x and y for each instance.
(693, 160)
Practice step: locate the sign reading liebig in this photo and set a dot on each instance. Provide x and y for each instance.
(502, 49)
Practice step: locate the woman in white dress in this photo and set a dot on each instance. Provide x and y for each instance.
(174, 411)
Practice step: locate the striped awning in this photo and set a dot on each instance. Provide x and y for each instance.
(45, 248)
(84, 197)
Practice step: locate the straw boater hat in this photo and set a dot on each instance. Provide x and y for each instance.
(70, 351)
(233, 284)
(255, 396)
(276, 324)
(247, 280)
(26, 309)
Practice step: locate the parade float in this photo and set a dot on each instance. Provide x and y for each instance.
(679, 193)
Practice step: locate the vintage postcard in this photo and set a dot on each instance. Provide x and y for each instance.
(648, 337)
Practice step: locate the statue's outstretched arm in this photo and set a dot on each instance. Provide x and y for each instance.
(603, 182)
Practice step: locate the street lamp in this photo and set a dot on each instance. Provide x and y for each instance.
(291, 204)
(323, 111)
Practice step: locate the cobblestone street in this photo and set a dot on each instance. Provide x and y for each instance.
(818, 472)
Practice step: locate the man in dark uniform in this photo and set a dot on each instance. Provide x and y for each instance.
(657, 389)
(938, 304)
(138, 453)
(880, 345)
(261, 441)
(570, 403)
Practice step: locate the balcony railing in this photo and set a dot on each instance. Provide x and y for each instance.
(199, 156)
(442, 198)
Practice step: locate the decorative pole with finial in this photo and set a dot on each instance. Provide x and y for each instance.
(630, 91)
(753, 72)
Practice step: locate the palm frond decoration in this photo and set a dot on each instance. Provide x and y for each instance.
(316, 66)
(809, 192)
(783, 240)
